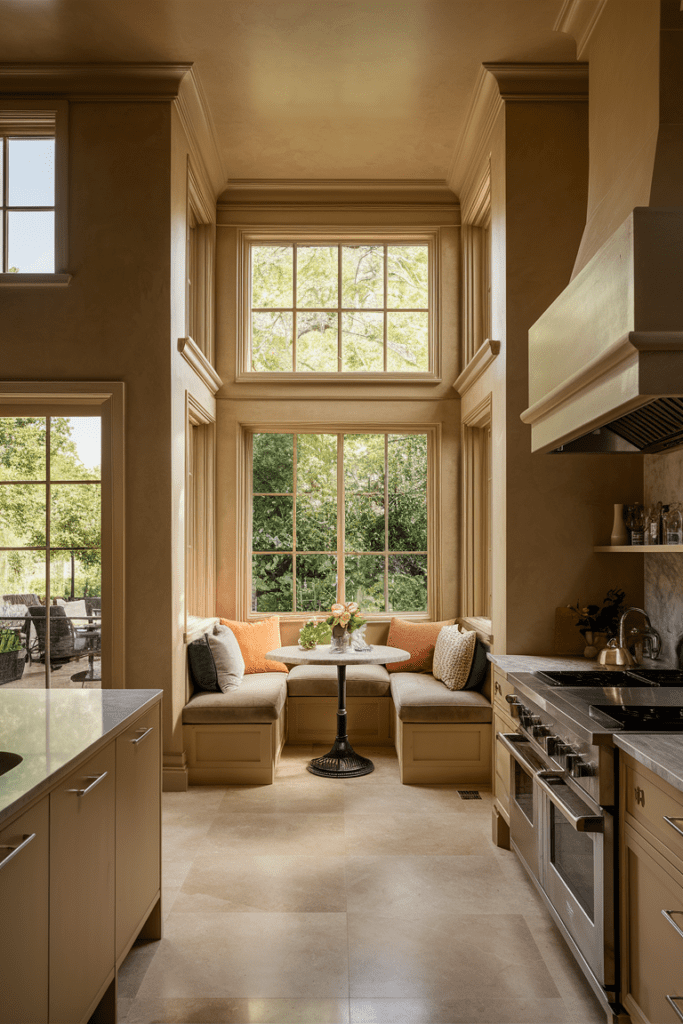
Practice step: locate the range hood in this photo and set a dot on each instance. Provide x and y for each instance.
(606, 358)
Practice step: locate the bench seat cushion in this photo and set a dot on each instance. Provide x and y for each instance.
(259, 698)
(321, 681)
(419, 697)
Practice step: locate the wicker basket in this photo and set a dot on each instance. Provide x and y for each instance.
(12, 665)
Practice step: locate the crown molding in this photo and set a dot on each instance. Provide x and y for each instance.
(323, 197)
(539, 81)
(475, 141)
(129, 81)
(578, 18)
(336, 184)
(195, 117)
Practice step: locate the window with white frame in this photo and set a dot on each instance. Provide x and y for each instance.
(340, 516)
(27, 191)
(325, 306)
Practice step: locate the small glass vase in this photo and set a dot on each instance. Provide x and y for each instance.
(341, 640)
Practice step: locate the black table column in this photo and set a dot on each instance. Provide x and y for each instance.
(342, 762)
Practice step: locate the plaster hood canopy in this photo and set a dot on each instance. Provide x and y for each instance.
(606, 358)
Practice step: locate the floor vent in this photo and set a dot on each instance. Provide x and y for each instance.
(469, 794)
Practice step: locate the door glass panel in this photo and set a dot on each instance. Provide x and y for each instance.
(524, 792)
(571, 853)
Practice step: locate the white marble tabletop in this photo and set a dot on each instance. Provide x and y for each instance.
(324, 655)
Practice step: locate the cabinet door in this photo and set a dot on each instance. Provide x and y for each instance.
(501, 776)
(82, 842)
(24, 865)
(652, 946)
(138, 824)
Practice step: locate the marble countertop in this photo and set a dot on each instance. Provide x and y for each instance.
(324, 655)
(534, 663)
(53, 729)
(662, 753)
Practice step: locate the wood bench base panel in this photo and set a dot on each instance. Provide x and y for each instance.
(444, 753)
(242, 754)
(314, 720)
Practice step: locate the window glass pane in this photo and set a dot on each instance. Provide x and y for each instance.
(271, 583)
(407, 463)
(76, 514)
(272, 524)
(407, 276)
(364, 462)
(364, 522)
(316, 276)
(365, 581)
(22, 574)
(22, 515)
(77, 576)
(363, 276)
(316, 342)
(31, 243)
(408, 583)
(363, 342)
(317, 464)
(22, 584)
(408, 342)
(75, 447)
(22, 448)
(273, 460)
(316, 523)
(407, 522)
(31, 172)
(272, 276)
(271, 342)
(316, 582)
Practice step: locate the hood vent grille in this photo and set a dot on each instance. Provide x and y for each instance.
(654, 427)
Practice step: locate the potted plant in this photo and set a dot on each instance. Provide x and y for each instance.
(12, 656)
(598, 625)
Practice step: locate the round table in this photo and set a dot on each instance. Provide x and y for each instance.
(342, 762)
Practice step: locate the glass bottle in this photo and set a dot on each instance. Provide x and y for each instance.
(636, 524)
(652, 523)
(674, 524)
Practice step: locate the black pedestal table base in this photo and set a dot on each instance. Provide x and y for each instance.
(342, 762)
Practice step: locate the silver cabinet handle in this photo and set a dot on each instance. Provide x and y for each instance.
(672, 1000)
(15, 849)
(668, 915)
(95, 778)
(142, 736)
(580, 822)
(671, 821)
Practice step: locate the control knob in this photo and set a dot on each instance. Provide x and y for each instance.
(540, 730)
(582, 768)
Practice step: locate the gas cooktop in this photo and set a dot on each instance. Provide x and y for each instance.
(610, 677)
(638, 717)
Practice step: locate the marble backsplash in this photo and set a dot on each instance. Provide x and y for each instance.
(664, 572)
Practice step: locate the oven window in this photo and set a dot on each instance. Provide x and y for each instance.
(571, 853)
(524, 792)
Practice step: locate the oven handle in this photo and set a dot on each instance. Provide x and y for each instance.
(580, 822)
(512, 741)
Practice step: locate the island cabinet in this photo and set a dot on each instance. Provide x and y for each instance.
(502, 722)
(651, 896)
(24, 913)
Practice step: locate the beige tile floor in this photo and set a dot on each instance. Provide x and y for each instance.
(314, 901)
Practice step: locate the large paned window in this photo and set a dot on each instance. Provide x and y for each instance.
(359, 307)
(339, 516)
(50, 546)
(27, 196)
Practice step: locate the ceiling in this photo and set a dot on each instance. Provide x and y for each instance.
(308, 88)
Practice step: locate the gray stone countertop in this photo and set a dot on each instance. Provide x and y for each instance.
(53, 729)
(662, 753)
(536, 662)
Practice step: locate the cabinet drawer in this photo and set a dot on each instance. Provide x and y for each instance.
(501, 775)
(656, 806)
(501, 689)
(24, 916)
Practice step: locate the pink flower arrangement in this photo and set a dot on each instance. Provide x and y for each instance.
(345, 615)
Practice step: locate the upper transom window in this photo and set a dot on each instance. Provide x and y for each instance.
(27, 196)
(321, 307)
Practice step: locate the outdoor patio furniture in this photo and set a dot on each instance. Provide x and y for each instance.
(66, 642)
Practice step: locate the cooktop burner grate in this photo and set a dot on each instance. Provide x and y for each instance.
(641, 717)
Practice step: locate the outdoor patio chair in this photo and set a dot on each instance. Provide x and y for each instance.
(65, 643)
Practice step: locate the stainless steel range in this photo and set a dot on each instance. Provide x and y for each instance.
(563, 798)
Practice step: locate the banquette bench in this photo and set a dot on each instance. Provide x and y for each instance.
(440, 735)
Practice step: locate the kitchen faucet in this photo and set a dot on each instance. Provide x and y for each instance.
(640, 639)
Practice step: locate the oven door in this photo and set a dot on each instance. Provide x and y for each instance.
(576, 870)
(524, 802)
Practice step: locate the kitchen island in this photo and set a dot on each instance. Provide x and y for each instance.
(80, 847)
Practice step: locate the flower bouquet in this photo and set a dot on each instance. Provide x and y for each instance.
(343, 620)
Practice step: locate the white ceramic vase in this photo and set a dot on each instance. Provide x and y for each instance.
(619, 532)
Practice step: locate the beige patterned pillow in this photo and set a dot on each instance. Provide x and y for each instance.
(453, 655)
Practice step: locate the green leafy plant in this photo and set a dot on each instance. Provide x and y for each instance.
(9, 641)
(313, 633)
(594, 619)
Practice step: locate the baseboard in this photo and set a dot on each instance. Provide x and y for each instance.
(174, 780)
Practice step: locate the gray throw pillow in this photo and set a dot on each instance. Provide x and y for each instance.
(228, 658)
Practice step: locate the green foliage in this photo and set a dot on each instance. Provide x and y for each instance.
(314, 633)
(593, 619)
(9, 641)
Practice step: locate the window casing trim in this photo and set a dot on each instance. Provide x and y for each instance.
(244, 510)
(363, 236)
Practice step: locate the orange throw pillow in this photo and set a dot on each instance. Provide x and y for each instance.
(419, 638)
(255, 640)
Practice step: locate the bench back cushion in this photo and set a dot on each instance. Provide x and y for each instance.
(255, 640)
(419, 638)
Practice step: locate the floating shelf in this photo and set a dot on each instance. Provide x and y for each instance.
(643, 549)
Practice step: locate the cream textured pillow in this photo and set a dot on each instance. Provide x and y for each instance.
(453, 655)
(227, 657)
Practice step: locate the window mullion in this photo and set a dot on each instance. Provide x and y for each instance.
(339, 306)
(386, 298)
(294, 492)
(341, 521)
(5, 200)
(295, 265)
(386, 521)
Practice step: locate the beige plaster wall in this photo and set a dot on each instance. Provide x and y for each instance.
(548, 511)
(112, 323)
(623, 55)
